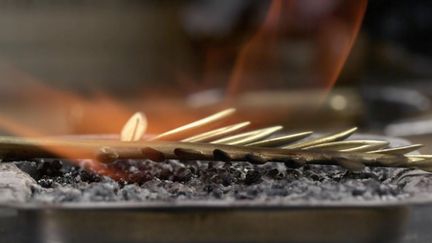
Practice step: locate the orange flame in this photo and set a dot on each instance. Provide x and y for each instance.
(105, 114)
(102, 114)
(333, 33)
(338, 38)
(263, 38)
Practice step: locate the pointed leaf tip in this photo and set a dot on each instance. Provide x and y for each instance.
(135, 128)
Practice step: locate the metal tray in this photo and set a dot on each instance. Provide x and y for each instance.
(406, 221)
(216, 222)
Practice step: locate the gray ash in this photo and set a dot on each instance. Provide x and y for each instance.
(60, 181)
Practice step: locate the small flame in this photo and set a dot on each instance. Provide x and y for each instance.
(338, 38)
(264, 38)
(103, 115)
(332, 26)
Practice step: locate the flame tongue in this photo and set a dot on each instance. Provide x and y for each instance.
(338, 38)
(330, 26)
(335, 38)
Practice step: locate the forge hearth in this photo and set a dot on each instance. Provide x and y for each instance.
(136, 188)
(203, 184)
(54, 199)
(205, 201)
(58, 182)
(215, 121)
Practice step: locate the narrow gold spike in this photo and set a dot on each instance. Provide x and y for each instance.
(134, 128)
(348, 144)
(281, 140)
(366, 147)
(216, 133)
(326, 139)
(398, 150)
(421, 163)
(185, 130)
(414, 159)
(248, 137)
(418, 157)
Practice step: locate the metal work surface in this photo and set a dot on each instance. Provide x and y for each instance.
(204, 223)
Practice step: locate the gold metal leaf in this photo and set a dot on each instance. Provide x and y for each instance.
(326, 139)
(280, 140)
(134, 128)
(213, 134)
(248, 137)
(398, 150)
(349, 144)
(185, 130)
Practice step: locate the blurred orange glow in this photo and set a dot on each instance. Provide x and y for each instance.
(18, 129)
(337, 37)
(101, 114)
(263, 39)
(332, 27)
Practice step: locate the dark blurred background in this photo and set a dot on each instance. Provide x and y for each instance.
(84, 66)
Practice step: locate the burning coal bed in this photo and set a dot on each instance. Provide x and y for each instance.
(181, 176)
(57, 181)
